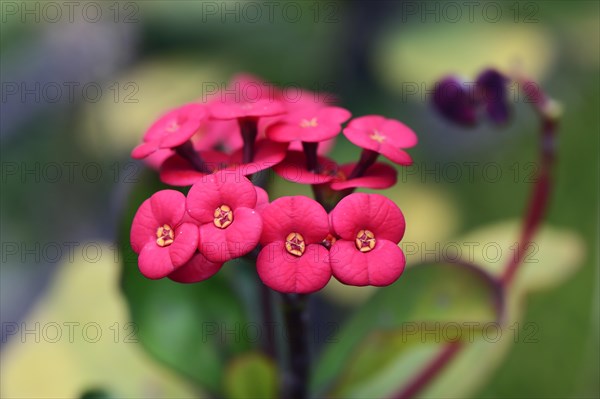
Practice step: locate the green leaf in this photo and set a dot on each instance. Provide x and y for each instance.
(554, 256)
(193, 328)
(427, 298)
(252, 375)
(382, 349)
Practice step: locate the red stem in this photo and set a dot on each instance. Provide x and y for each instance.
(447, 353)
(540, 196)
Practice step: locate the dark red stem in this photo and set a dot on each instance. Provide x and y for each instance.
(187, 151)
(367, 159)
(540, 196)
(249, 131)
(415, 386)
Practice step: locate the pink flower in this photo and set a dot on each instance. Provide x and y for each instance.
(171, 130)
(160, 236)
(195, 270)
(246, 96)
(369, 226)
(383, 136)
(223, 204)
(309, 124)
(293, 259)
(177, 171)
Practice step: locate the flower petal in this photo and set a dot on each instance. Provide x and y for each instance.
(184, 245)
(373, 212)
(286, 273)
(154, 261)
(168, 207)
(293, 168)
(143, 227)
(144, 150)
(379, 267)
(377, 176)
(196, 269)
(296, 214)
(238, 239)
(221, 188)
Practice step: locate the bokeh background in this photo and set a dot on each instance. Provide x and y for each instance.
(82, 80)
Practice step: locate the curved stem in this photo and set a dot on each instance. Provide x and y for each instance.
(446, 354)
(367, 159)
(540, 196)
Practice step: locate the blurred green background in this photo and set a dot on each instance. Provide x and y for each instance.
(82, 80)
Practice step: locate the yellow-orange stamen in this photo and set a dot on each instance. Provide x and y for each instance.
(365, 240)
(309, 123)
(223, 216)
(164, 235)
(294, 244)
(172, 127)
(380, 138)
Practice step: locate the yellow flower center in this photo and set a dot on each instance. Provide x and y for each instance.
(294, 244)
(223, 216)
(309, 123)
(365, 240)
(376, 136)
(164, 235)
(172, 127)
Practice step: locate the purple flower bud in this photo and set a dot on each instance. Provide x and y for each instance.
(492, 88)
(455, 101)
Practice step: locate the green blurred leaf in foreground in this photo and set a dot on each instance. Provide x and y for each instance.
(252, 375)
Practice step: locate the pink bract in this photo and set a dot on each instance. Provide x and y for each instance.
(163, 213)
(378, 225)
(171, 130)
(293, 259)
(223, 204)
(384, 136)
(195, 270)
(309, 124)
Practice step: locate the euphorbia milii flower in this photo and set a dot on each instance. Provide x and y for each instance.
(292, 259)
(309, 124)
(223, 204)
(160, 236)
(370, 226)
(171, 130)
(381, 135)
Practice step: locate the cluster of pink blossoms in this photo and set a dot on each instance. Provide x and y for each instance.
(218, 147)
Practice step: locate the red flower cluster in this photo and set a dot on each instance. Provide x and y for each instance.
(217, 147)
